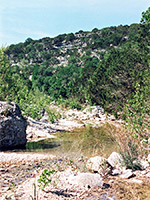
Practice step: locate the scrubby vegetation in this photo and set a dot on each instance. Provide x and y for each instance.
(99, 67)
(109, 67)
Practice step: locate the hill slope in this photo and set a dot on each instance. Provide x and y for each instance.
(101, 66)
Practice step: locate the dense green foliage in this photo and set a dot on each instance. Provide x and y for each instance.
(146, 16)
(99, 67)
(16, 86)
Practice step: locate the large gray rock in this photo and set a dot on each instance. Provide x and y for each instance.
(12, 126)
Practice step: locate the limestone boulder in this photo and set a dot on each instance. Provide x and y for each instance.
(99, 164)
(12, 126)
(86, 179)
(115, 160)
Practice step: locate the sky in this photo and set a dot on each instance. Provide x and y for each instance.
(21, 19)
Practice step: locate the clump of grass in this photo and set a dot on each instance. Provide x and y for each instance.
(130, 148)
(99, 139)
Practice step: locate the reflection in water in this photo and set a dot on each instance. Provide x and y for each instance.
(88, 142)
(41, 145)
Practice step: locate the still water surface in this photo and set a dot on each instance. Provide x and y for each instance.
(81, 142)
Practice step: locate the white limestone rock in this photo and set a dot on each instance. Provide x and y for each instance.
(115, 160)
(84, 179)
(99, 164)
(127, 174)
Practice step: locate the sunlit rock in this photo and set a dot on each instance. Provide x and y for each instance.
(115, 159)
(84, 179)
(99, 164)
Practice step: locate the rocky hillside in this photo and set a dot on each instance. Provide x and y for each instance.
(100, 67)
(58, 51)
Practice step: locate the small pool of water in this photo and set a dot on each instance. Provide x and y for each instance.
(81, 142)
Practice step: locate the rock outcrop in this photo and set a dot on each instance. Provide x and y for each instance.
(12, 126)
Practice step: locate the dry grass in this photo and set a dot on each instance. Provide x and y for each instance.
(126, 190)
(131, 142)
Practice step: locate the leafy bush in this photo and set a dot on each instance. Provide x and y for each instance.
(72, 103)
(33, 103)
(53, 115)
(133, 140)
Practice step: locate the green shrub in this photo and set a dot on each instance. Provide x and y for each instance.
(74, 104)
(45, 178)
